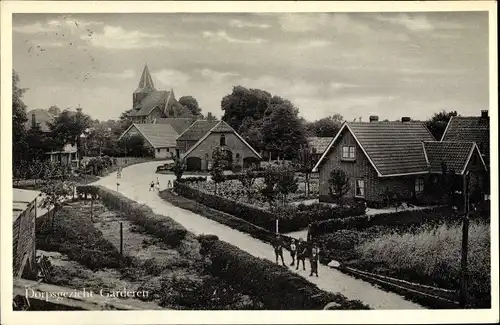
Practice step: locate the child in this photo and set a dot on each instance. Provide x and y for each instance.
(293, 251)
(157, 184)
(301, 254)
(152, 186)
(278, 249)
(314, 260)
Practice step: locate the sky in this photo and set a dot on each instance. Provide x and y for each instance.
(353, 64)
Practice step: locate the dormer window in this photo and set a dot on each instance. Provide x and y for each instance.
(222, 139)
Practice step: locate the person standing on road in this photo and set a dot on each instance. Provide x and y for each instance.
(169, 184)
(293, 251)
(301, 254)
(152, 186)
(157, 184)
(278, 249)
(314, 260)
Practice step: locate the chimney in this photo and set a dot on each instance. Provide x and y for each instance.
(484, 113)
(33, 120)
(405, 119)
(373, 118)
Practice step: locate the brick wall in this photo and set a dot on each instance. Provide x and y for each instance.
(24, 251)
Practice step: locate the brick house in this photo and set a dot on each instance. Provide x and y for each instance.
(158, 138)
(23, 232)
(401, 157)
(150, 104)
(198, 142)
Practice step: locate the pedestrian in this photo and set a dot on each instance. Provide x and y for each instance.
(314, 260)
(152, 186)
(309, 232)
(293, 251)
(169, 184)
(157, 184)
(301, 254)
(278, 249)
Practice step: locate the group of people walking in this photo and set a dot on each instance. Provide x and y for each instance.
(155, 185)
(298, 252)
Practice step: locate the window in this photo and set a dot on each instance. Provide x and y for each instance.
(168, 149)
(222, 139)
(349, 152)
(419, 185)
(158, 150)
(360, 187)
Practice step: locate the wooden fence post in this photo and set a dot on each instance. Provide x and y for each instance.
(121, 238)
(465, 240)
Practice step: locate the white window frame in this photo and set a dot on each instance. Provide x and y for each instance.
(349, 152)
(419, 185)
(363, 192)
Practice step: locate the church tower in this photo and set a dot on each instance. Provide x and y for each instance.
(145, 87)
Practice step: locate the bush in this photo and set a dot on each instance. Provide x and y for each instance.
(432, 256)
(276, 286)
(169, 231)
(402, 219)
(295, 218)
(192, 179)
(86, 192)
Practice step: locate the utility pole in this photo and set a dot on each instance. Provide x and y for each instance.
(465, 242)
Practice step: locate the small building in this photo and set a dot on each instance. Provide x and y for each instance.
(318, 146)
(239, 154)
(23, 231)
(67, 156)
(402, 157)
(159, 138)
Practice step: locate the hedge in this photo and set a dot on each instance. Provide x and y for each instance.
(192, 179)
(294, 218)
(168, 230)
(395, 219)
(276, 286)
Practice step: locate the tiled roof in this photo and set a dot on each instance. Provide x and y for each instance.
(179, 124)
(393, 147)
(42, 117)
(222, 127)
(319, 143)
(158, 135)
(454, 154)
(472, 129)
(157, 98)
(197, 130)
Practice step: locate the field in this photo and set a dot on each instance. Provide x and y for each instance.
(427, 255)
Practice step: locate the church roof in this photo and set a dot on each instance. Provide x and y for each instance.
(146, 83)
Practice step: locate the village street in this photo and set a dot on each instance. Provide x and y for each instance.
(134, 184)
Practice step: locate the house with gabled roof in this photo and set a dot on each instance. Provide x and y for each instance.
(401, 157)
(149, 103)
(158, 138)
(317, 146)
(197, 143)
(179, 124)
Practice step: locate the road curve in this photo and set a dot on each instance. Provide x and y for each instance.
(134, 184)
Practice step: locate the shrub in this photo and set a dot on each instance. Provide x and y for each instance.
(192, 179)
(276, 286)
(169, 231)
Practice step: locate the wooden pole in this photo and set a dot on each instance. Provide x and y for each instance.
(465, 240)
(121, 238)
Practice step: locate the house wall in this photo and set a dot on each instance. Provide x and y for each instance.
(183, 146)
(23, 232)
(239, 150)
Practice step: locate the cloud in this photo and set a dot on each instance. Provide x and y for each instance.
(315, 43)
(302, 22)
(32, 29)
(223, 36)
(115, 37)
(44, 44)
(216, 76)
(418, 23)
(129, 73)
(56, 25)
(245, 24)
(172, 78)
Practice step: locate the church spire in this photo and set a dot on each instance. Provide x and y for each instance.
(146, 83)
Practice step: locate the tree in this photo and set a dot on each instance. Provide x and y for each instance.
(38, 143)
(305, 164)
(19, 142)
(179, 167)
(338, 184)
(124, 121)
(55, 191)
(247, 179)
(437, 124)
(218, 163)
(287, 182)
(68, 127)
(210, 117)
(325, 127)
(191, 103)
(133, 145)
(268, 190)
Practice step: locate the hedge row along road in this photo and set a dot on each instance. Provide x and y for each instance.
(134, 184)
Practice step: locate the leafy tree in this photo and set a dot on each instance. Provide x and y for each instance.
(243, 103)
(218, 163)
(305, 164)
(269, 189)
(191, 103)
(338, 184)
(179, 167)
(124, 121)
(247, 179)
(287, 182)
(325, 127)
(68, 127)
(38, 143)
(19, 142)
(210, 117)
(437, 124)
(133, 145)
(54, 110)
(55, 192)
